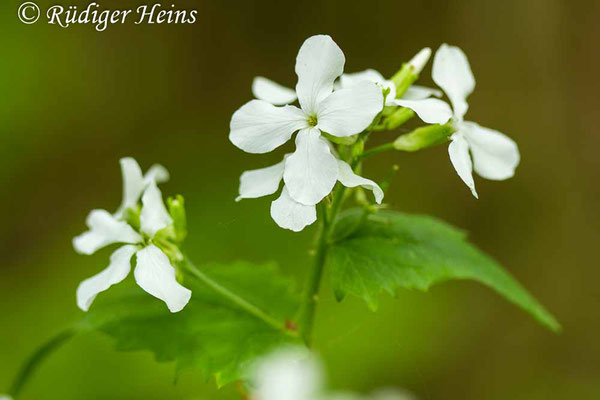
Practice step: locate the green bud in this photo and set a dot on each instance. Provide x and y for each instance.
(397, 118)
(177, 211)
(405, 77)
(426, 136)
(410, 71)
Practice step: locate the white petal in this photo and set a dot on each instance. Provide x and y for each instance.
(259, 127)
(416, 92)
(495, 155)
(155, 274)
(451, 72)
(260, 182)
(319, 62)
(461, 160)
(369, 75)
(5, 397)
(104, 229)
(156, 173)
(311, 172)
(432, 111)
(154, 215)
(349, 179)
(117, 270)
(289, 214)
(349, 111)
(272, 92)
(133, 183)
(420, 59)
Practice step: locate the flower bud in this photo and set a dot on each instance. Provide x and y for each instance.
(397, 118)
(177, 211)
(423, 137)
(420, 59)
(409, 72)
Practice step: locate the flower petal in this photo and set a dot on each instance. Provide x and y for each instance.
(134, 183)
(272, 92)
(260, 182)
(155, 274)
(311, 172)
(432, 111)
(369, 75)
(319, 62)
(117, 270)
(104, 229)
(451, 72)
(349, 111)
(154, 215)
(416, 92)
(461, 160)
(289, 214)
(259, 127)
(349, 179)
(156, 173)
(495, 155)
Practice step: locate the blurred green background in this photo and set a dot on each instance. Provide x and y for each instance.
(75, 100)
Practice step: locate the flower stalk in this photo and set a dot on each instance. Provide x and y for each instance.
(41, 354)
(310, 298)
(245, 305)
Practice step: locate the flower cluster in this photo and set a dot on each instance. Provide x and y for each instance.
(336, 106)
(294, 373)
(146, 231)
(311, 172)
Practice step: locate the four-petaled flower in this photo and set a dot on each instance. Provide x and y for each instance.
(311, 172)
(153, 272)
(495, 155)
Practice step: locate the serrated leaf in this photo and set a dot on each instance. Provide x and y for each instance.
(391, 250)
(210, 334)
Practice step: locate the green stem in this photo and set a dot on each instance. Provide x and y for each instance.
(310, 298)
(378, 149)
(237, 300)
(36, 358)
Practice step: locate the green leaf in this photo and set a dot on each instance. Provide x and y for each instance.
(210, 334)
(389, 250)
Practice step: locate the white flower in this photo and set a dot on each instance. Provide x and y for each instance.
(495, 156)
(287, 374)
(154, 272)
(312, 170)
(5, 397)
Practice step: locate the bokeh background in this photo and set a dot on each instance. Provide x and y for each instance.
(74, 101)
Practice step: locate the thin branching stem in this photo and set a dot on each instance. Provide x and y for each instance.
(237, 300)
(34, 360)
